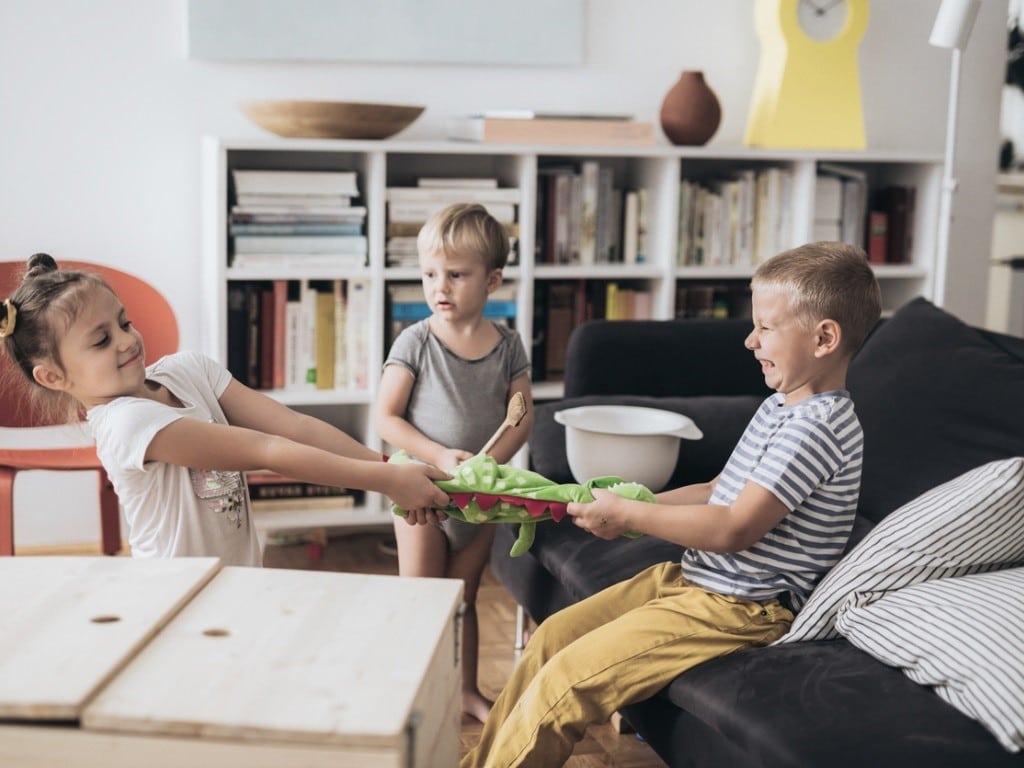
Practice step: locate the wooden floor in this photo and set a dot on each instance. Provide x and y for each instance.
(368, 553)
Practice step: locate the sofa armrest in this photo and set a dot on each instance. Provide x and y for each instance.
(662, 358)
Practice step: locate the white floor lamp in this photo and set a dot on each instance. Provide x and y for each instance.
(952, 28)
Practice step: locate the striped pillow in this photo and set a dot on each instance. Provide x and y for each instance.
(971, 524)
(963, 636)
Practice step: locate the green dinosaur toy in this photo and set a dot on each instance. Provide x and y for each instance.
(483, 491)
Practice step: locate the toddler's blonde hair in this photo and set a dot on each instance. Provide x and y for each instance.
(465, 228)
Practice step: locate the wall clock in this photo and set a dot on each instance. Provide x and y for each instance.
(807, 90)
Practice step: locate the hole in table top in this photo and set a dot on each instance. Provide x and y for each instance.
(104, 619)
(216, 632)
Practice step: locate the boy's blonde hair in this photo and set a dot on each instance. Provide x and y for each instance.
(465, 228)
(826, 280)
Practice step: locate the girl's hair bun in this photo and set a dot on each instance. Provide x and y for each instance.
(39, 264)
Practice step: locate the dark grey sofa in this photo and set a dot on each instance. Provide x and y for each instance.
(935, 397)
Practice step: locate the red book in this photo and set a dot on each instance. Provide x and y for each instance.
(878, 236)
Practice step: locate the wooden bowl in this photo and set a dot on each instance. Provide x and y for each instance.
(330, 119)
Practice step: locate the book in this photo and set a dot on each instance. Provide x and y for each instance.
(898, 203)
(298, 201)
(420, 210)
(293, 377)
(280, 332)
(452, 195)
(630, 227)
(307, 337)
(642, 244)
(560, 316)
(325, 336)
(340, 334)
(579, 131)
(458, 182)
(256, 261)
(265, 484)
(238, 331)
(357, 331)
(418, 310)
(346, 501)
(270, 182)
(305, 212)
(877, 237)
(530, 114)
(267, 332)
(301, 244)
(589, 173)
(294, 228)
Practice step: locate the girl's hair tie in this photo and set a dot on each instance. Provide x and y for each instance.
(9, 319)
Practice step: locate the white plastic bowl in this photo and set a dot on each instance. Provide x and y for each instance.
(637, 444)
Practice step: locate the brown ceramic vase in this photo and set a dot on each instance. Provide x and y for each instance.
(690, 113)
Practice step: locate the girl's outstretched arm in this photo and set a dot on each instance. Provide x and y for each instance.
(194, 443)
(248, 408)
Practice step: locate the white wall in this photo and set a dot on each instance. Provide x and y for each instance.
(101, 114)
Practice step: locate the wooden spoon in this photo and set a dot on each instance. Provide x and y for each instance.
(513, 415)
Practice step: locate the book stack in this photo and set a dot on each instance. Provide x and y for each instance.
(853, 201)
(559, 306)
(529, 127)
(713, 300)
(583, 218)
(301, 219)
(738, 220)
(406, 306)
(294, 334)
(270, 491)
(410, 207)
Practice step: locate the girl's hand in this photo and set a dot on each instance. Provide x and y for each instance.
(603, 517)
(410, 486)
(450, 458)
(424, 516)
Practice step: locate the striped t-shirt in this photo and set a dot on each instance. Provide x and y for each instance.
(809, 455)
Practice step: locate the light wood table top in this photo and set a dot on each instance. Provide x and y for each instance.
(70, 623)
(336, 662)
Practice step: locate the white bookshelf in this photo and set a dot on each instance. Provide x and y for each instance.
(658, 169)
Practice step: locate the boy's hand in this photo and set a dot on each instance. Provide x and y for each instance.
(603, 517)
(411, 487)
(450, 458)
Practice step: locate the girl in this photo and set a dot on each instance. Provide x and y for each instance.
(445, 387)
(175, 437)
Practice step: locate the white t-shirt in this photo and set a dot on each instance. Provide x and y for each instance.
(174, 511)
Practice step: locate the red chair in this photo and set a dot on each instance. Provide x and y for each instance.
(154, 318)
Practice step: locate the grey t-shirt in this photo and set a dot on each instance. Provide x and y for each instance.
(456, 402)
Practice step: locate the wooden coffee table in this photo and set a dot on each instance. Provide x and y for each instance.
(114, 661)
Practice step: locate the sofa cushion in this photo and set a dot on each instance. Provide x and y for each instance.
(935, 398)
(721, 419)
(962, 636)
(829, 704)
(971, 524)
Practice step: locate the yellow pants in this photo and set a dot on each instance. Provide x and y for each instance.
(622, 645)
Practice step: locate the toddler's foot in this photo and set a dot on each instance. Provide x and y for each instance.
(475, 705)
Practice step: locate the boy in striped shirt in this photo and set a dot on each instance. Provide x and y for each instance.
(757, 538)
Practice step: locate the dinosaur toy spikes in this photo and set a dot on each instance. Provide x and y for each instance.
(483, 491)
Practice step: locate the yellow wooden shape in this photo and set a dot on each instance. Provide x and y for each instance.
(807, 92)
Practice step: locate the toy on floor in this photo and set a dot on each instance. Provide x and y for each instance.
(483, 491)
